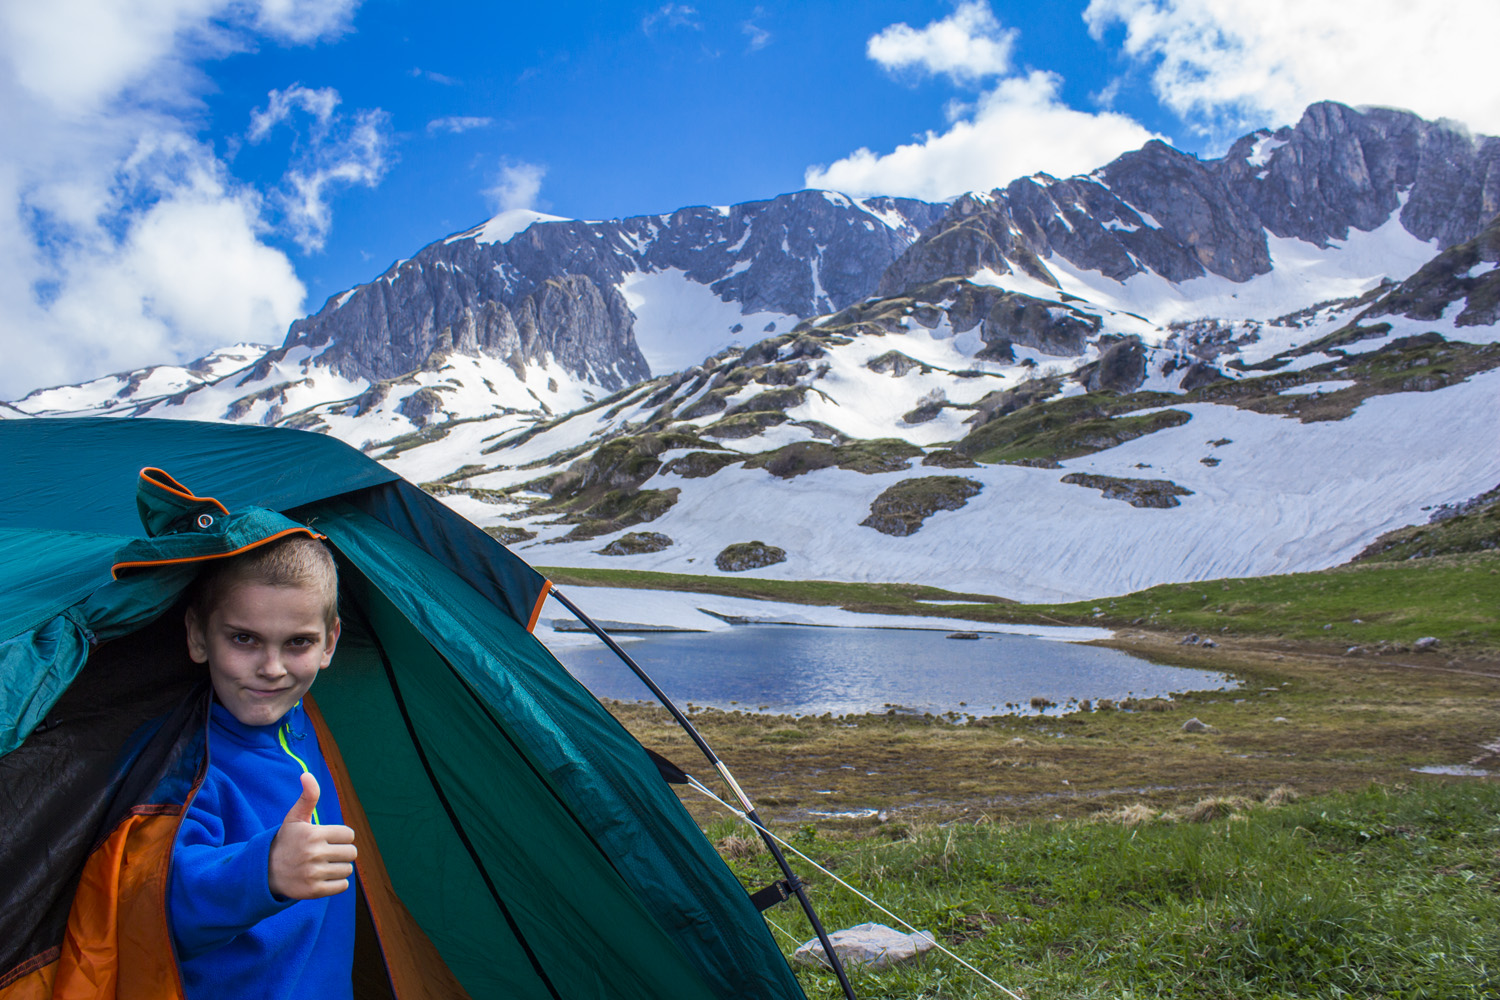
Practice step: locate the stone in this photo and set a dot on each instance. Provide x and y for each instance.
(1426, 644)
(636, 543)
(901, 509)
(874, 946)
(1195, 725)
(741, 556)
(1159, 493)
(1190, 640)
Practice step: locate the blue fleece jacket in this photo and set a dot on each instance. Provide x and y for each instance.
(234, 938)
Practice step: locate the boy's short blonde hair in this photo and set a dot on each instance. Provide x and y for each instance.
(295, 561)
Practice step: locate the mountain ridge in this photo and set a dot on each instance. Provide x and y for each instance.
(1166, 369)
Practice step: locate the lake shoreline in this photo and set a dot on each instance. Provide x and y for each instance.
(1308, 717)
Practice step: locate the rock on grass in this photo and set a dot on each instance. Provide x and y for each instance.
(903, 508)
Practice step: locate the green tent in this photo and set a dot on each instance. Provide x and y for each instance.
(525, 843)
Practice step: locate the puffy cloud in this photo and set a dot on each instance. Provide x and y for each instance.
(457, 124)
(968, 44)
(305, 21)
(1230, 65)
(516, 187)
(1018, 128)
(124, 240)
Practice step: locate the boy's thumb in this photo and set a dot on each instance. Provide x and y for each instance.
(302, 809)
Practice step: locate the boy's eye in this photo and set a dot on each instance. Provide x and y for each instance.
(242, 638)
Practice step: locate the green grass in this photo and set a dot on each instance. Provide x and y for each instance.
(886, 598)
(1453, 598)
(1477, 530)
(1392, 892)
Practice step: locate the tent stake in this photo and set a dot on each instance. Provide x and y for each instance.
(734, 786)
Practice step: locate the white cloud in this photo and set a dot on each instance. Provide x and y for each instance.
(305, 21)
(281, 103)
(967, 45)
(418, 73)
(1018, 128)
(457, 124)
(672, 15)
(1230, 65)
(756, 37)
(124, 240)
(516, 187)
(333, 151)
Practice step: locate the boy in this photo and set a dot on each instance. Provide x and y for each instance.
(258, 899)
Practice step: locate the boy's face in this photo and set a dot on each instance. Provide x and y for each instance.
(264, 647)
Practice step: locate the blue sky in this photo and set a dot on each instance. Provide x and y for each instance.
(624, 109)
(184, 174)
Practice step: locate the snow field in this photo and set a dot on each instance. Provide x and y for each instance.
(1286, 497)
(679, 322)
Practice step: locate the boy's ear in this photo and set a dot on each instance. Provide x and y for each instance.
(333, 640)
(197, 641)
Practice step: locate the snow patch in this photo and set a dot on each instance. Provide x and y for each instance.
(1260, 155)
(679, 322)
(1317, 388)
(507, 224)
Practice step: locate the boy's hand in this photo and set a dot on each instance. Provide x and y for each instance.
(308, 861)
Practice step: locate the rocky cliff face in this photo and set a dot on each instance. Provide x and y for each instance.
(1157, 209)
(556, 289)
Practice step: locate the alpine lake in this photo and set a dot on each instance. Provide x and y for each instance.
(797, 670)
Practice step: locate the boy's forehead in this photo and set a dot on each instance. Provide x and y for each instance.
(252, 598)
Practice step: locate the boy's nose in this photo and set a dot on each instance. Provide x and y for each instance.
(271, 666)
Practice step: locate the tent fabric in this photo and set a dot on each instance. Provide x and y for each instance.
(523, 843)
(241, 466)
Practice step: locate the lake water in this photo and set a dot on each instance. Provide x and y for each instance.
(792, 670)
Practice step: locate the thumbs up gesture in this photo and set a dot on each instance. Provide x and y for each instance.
(309, 861)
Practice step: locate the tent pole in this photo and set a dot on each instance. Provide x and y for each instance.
(734, 786)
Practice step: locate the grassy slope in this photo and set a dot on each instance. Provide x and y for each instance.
(1454, 598)
(1373, 890)
(1384, 893)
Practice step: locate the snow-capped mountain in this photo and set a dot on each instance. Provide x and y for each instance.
(1168, 369)
(614, 302)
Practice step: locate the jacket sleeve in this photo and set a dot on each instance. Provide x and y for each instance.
(216, 890)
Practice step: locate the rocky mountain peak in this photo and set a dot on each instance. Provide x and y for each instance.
(559, 290)
(1161, 210)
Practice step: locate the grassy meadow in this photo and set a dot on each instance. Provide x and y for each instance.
(1289, 850)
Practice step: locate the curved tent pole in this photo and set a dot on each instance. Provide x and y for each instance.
(734, 786)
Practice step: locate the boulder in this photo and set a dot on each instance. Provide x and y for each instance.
(636, 543)
(1426, 644)
(902, 508)
(874, 946)
(1195, 725)
(741, 556)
